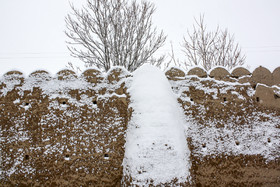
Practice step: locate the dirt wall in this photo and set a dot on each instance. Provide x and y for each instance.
(233, 128)
(63, 130)
(69, 130)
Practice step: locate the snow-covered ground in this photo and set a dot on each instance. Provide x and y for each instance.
(156, 147)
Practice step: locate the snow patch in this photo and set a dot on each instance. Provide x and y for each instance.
(156, 147)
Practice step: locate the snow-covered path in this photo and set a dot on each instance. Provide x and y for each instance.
(156, 146)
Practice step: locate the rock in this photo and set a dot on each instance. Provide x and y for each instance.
(66, 75)
(116, 74)
(175, 74)
(198, 72)
(262, 75)
(93, 76)
(276, 76)
(219, 73)
(268, 96)
(240, 72)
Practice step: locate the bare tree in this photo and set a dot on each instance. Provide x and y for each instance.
(211, 48)
(114, 33)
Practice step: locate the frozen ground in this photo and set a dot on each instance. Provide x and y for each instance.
(156, 146)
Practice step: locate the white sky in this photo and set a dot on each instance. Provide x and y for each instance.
(32, 37)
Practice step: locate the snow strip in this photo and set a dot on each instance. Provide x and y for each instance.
(156, 147)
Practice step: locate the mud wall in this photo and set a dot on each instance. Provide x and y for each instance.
(70, 130)
(233, 125)
(64, 130)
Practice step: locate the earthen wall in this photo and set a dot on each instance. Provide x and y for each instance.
(64, 130)
(234, 125)
(67, 129)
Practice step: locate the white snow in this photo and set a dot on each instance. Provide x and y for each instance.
(156, 146)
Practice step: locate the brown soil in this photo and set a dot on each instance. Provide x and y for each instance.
(54, 142)
(241, 170)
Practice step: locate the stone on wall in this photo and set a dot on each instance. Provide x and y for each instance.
(175, 74)
(13, 73)
(116, 74)
(276, 76)
(219, 73)
(93, 76)
(262, 75)
(198, 72)
(14, 76)
(40, 75)
(268, 96)
(240, 72)
(66, 75)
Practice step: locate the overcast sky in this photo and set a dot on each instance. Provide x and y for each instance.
(32, 37)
